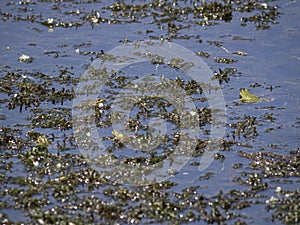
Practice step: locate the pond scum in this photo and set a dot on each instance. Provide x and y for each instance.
(46, 181)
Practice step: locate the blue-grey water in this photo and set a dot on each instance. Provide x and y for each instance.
(270, 69)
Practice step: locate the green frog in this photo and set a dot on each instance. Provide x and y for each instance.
(248, 97)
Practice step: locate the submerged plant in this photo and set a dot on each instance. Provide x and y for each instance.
(42, 141)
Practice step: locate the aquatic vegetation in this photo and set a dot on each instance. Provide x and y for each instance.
(225, 60)
(204, 54)
(275, 165)
(179, 63)
(245, 128)
(240, 53)
(42, 141)
(285, 207)
(266, 16)
(45, 178)
(25, 58)
(57, 118)
(218, 44)
(11, 139)
(29, 90)
(224, 75)
(162, 13)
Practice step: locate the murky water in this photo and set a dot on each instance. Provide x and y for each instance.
(254, 177)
